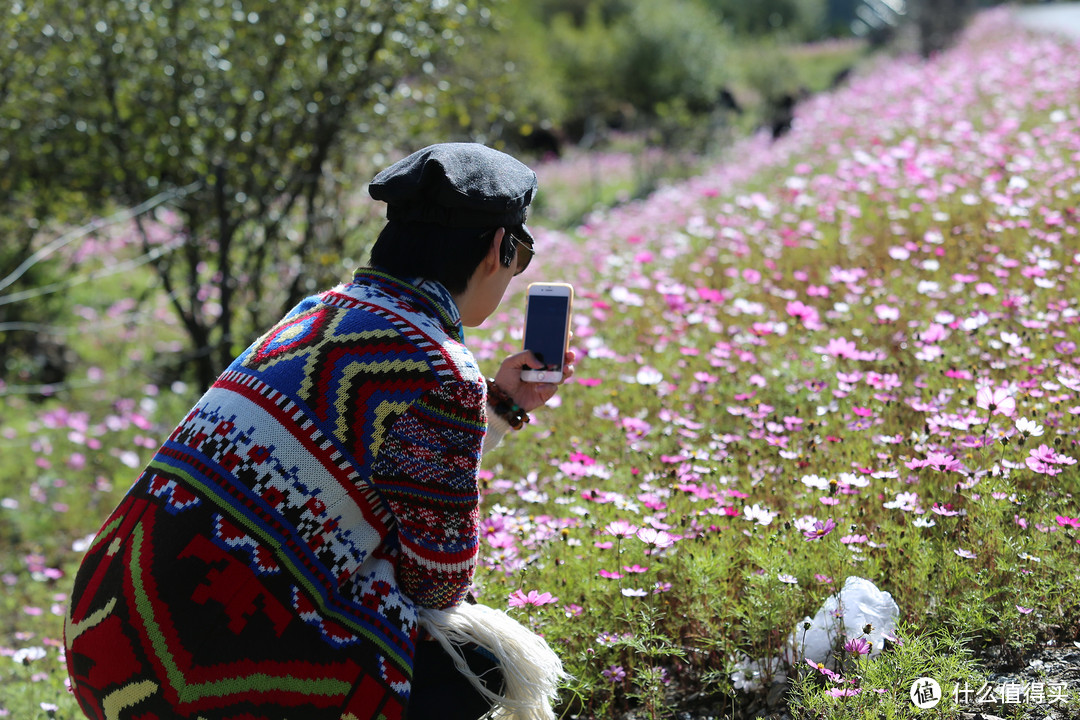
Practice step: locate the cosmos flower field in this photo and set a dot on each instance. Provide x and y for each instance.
(849, 353)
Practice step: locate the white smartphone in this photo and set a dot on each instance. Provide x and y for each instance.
(547, 329)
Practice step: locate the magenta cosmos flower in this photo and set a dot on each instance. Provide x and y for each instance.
(820, 529)
(858, 646)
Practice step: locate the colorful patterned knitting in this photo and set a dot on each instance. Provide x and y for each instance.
(270, 560)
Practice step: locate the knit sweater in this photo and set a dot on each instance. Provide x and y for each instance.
(270, 560)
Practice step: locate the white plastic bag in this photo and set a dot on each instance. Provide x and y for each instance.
(862, 604)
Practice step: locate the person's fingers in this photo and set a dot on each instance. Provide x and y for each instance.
(532, 361)
(523, 359)
(568, 365)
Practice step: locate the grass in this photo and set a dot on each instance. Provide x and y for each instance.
(809, 332)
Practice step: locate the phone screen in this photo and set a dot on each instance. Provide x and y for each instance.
(545, 329)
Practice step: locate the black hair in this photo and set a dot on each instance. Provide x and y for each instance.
(433, 252)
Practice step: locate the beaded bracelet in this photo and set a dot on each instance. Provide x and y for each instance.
(505, 407)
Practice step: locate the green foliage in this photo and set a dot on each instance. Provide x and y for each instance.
(769, 71)
(648, 64)
(884, 683)
(506, 81)
(253, 109)
(670, 51)
(586, 53)
(668, 69)
(579, 11)
(799, 19)
(30, 351)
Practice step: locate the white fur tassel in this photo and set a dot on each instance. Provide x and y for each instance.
(531, 670)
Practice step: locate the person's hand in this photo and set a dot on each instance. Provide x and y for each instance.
(527, 394)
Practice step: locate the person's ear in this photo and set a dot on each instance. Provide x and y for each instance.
(507, 249)
(495, 252)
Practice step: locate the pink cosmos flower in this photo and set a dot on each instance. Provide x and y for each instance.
(841, 348)
(808, 314)
(520, 599)
(887, 313)
(820, 667)
(859, 646)
(843, 692)
(966, 554)
(620, 528)
(997, 400)
(1044, 460)
(943, 462)
(938, 461)
(656, 538)
(820, 529)
(933, 334)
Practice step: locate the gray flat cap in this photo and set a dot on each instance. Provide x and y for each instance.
(458, 185)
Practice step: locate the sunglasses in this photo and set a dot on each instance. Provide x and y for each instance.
(525, 253)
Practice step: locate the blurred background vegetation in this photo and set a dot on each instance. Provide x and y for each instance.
(243, 130)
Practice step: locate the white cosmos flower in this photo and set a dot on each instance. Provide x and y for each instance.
(975, 322)
(1029, 427)
(813, 481)
(760, 515)
(853, 480)
(648, 376)
(25, 656)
